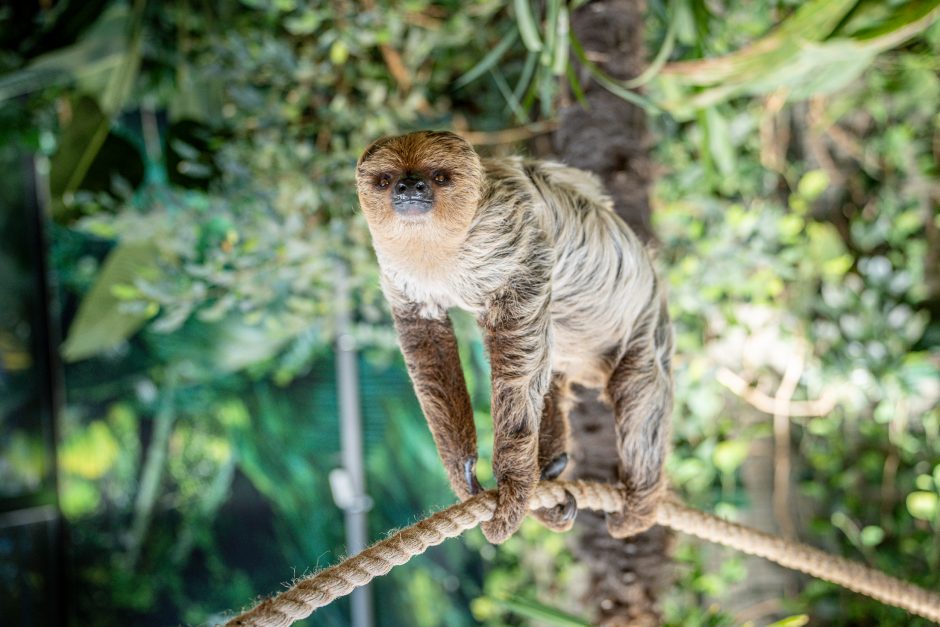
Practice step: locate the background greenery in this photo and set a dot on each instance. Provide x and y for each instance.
(198, 165)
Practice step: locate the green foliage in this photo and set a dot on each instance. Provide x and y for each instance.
(201, 172)
(830, 268)
(201, 165)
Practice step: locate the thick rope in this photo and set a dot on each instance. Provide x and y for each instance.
(322, 588)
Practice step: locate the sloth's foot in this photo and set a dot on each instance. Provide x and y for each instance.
(512, 504)
(638, 514)
(561, 517)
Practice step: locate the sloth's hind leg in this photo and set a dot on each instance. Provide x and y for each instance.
(640, 389)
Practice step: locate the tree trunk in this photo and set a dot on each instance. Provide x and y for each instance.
(610, 138)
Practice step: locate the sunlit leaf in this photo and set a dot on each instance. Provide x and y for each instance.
(795, 59)
(90, 452)
(872, 535)
(101, 322)
(791, 621)
(813, 184)
(730, 454)
(922, 505)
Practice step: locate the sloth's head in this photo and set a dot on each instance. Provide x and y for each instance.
(426, 183)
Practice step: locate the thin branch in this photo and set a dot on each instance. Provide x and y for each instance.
(762, 402)
(781, 496)
(509, 135)
(152, 473)
(774, 133)
(815, 115)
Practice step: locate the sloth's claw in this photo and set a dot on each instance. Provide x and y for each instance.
(470, 476)
(555, 467)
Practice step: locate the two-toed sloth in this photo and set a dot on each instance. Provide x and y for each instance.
(564, 293)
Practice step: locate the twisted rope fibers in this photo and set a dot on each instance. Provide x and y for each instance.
(323, 587)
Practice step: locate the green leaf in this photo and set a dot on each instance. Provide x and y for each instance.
(730, 454)
(79, 143)
(547, 56)
(922, 505)
(304, 24)
(654, 68)
(609, 83)
(123, 291)
(102, 322)
(507, 95)
(527, 25)
(120, 83)
(872, 535)
(719, 141)
(544, 614)
(488, 61)
(528, 71)
(576, 88)
(923, 482)
(91, 452)
(813, 184)
(825, 243)
(560, 64)
(791, 621)
(796, 58)
(902, 16)
(101, 50)
(339, 52)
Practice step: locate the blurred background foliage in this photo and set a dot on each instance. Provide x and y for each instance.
(197, 161)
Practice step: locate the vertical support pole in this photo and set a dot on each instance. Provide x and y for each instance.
(354, 503)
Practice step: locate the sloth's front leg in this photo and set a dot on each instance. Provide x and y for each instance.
(517, 335)
(430, 350)
(553, 456)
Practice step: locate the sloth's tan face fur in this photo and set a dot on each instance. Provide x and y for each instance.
(446, 169)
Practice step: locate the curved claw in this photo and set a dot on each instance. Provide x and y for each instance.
(560, 517)
(570, 508)
(470, 476)
(555, 467)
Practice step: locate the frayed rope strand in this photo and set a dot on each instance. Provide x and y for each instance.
(324, 587)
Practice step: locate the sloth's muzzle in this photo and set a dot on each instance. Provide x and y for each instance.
(412, 195)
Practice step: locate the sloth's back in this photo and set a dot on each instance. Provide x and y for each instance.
(603, 278)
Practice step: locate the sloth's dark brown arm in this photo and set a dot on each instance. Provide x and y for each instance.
(430, 350)
(517, 335)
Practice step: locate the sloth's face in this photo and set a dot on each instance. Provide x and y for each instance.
(425, 178)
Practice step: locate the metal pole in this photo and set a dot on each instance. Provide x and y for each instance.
(349, 483)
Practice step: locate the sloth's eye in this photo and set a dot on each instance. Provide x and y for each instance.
(440, 178)
(385, 181)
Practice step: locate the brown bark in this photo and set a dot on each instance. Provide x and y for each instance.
(610, 138)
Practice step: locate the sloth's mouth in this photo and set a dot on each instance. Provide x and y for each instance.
(411, 206)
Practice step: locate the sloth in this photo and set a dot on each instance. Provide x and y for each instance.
(564, 293)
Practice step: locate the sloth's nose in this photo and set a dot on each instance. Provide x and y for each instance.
(413, 195)
(413, 186)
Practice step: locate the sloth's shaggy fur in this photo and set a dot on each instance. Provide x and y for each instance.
(564, 293)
